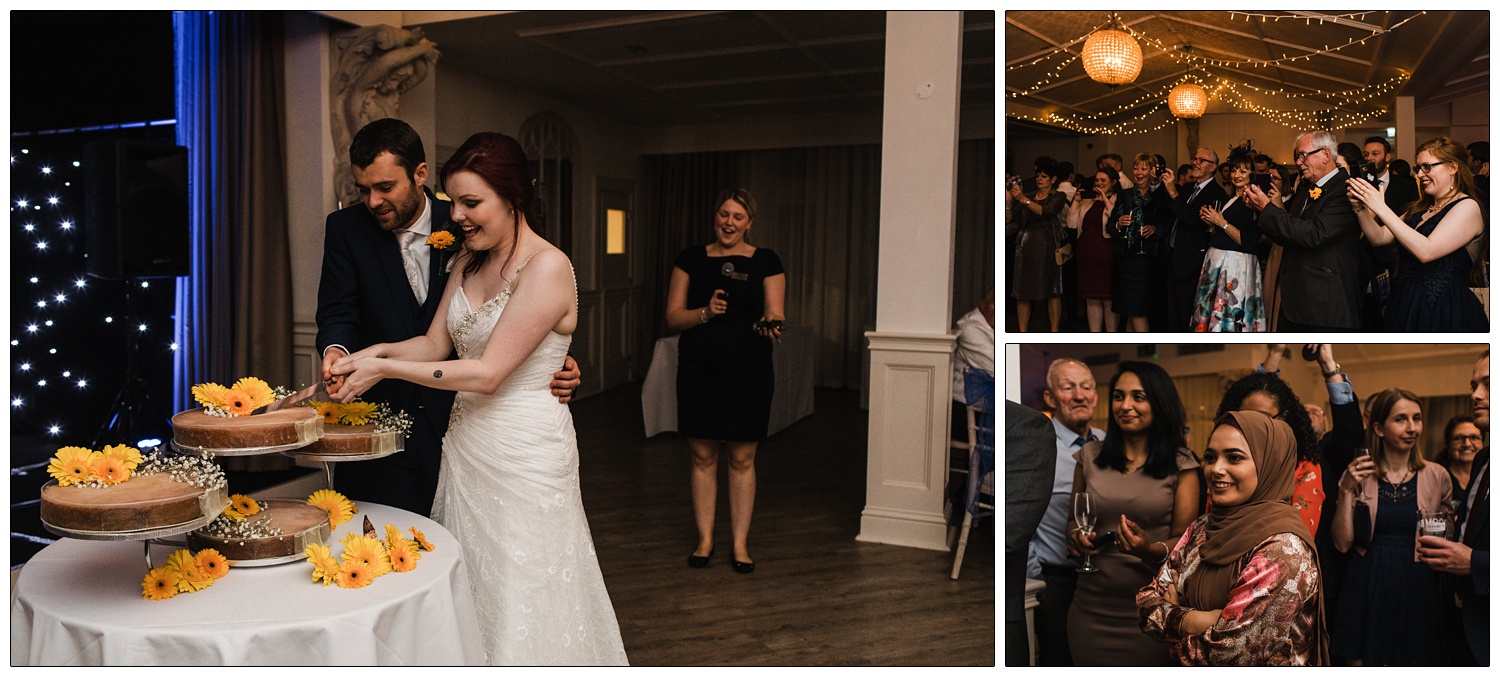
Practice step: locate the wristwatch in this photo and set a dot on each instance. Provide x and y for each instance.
(1336, 370)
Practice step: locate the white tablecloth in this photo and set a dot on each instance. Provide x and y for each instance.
(792, 360)
(79, 603)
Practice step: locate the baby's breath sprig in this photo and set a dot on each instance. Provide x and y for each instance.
(388, 420)
(223, 527)
(200, 471)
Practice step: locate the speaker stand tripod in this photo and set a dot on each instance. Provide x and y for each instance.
(133, 400)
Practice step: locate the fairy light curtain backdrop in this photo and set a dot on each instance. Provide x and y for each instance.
(1408, 75)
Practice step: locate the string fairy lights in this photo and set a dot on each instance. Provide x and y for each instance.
(1149, 112)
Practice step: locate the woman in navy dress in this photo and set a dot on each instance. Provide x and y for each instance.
(721, 298)
(1390, 609)
(1439, 237)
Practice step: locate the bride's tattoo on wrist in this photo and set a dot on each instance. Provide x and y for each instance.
(437, 373)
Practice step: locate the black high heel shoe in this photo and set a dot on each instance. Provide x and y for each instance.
(743, 567)
(697, 562)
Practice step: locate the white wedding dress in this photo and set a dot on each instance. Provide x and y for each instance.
(508, 491)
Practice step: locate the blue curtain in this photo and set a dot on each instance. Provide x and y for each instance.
(233, 312)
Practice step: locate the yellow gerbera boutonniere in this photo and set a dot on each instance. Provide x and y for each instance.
(160, 583)
(108, 469)
(339, 509)
(257, 390)
(244, 505)
(441, 239)
(212, 562)
(1315, 193)
(357, 413)
(71, 465)
(130, 456)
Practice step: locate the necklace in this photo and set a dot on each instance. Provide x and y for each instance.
(1439, 205)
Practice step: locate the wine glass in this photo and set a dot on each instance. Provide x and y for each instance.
(1361, 452)
(1083, 515)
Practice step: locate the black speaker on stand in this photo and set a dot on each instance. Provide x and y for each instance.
(135, 226)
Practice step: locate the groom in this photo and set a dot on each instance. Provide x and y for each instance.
(382, 283)
(1319, 280)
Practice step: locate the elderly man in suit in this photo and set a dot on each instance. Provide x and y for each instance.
(1028, 470)
(1469, 557)
(1190, 235)
(1318, 285)
(382, 283)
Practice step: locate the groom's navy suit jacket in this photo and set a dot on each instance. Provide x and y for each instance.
(364, 298)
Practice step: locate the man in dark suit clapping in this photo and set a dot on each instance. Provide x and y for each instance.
(1319, 278)
(382, 283)
(1189, 236)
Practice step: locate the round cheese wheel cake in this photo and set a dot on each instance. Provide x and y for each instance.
(354, 440)
(145, 502)
(289, 426)
(299, 524)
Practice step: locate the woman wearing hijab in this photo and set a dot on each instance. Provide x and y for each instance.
(1242, 585)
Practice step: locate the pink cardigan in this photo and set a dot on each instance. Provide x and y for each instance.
(1434, 490)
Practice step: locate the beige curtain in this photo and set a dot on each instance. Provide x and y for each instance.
(819, 209)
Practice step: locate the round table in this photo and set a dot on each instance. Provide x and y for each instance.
(79, 603)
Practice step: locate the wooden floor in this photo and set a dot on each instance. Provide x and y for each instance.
(817, 597)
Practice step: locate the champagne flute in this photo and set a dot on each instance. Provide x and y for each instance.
(1083, 515)
(1359, 453)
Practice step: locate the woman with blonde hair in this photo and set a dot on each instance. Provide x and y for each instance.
(1437, 234)
(1389, 610)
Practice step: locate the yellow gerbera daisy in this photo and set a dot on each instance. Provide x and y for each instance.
(210, 394)
(391, 533)
(355, 575)
(258, 390)
(108, 469)
(357, 413)
(325, 567)
(130, 456)
(368, 550)
(422, 540)
(244, 505)
(71, 465)
(232, 514)
(190, 577)
(160, 583)
(212, 562)
(441, 239)
(402, 554)
(238, 402)
(339, 509)
(330, 411)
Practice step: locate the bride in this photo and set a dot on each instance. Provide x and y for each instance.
(508, 486)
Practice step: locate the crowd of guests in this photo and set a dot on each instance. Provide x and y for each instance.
(1292, 539)
(1346, 237)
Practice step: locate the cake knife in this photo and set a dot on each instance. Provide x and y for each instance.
(289, 400)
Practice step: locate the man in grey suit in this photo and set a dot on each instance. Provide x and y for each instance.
(1319, 280)
(1029, 462)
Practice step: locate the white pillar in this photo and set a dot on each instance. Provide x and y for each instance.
(911, 349)
(1406, 129)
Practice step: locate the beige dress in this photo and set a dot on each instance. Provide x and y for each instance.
(1103, 628)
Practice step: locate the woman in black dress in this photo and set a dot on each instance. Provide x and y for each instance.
(1430, 291)
(727, 299)
(1138, 224)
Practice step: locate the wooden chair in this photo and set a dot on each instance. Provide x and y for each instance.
(979, 392)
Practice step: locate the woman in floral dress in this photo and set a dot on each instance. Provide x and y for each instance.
(1229, 289)
(1242, 586)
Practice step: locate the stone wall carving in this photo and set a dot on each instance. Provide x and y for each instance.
(371, 67)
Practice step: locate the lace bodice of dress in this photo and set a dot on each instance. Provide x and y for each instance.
(470, 329)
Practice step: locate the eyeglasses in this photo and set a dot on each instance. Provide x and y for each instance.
(1424, 167)
(1468, 438)
(1297, 157)
(1202, 161)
